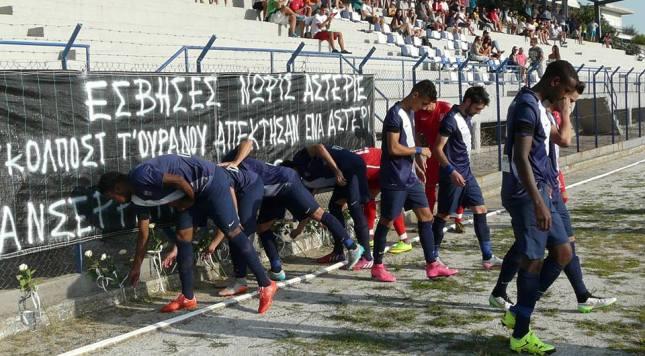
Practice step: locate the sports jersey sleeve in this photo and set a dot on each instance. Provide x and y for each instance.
(146, 175)
(525, 119)
(392, 122)
(448, 126)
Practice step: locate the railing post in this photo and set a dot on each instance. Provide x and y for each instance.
(365, 59)
(403, 78)
(69, 45)
(271, 58)
(205, 50)
(293, 57)
(611, 96)
(627, 113)
(595, 107)
(78, 249)
(460, 68)
(575, 112)
(414, 68)
(186, 62)
(640, 108)
(498, 128)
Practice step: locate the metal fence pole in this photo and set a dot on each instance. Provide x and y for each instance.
(460, 68)
(293, 57)
(627, 114)
(365, 59)
(639, 83)
(595, 106)
(498, 128)
(186, 63)
(414, 68)
(205, 50)
(271, 59)
(403, 78)
(69, 44)
(611, 96)
(575, 111)
(78, 250)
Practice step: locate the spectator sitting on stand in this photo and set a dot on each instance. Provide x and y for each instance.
(607, 40)
(424, 11)
(261, 5)
(320, 30)
(299, 7)
(368, 13)
(475, 53)
(279, 13)
(493, 44)
(555, 54)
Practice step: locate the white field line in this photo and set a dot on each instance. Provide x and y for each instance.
(236, 300)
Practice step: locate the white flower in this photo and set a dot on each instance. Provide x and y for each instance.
(151, 225)
(88, 253)
(103, 257)
(23, 267)
(123, 252)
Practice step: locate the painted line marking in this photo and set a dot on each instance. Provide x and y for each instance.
(165, 323)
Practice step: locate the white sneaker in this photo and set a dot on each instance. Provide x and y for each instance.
(491, 263)
(500, 302)
(237, 287)
(595, 303)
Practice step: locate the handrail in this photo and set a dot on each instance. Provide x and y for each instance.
(365, 59)
(293, 56)
(86, 47)
(416, 65)
(69, 44)
(208, 46)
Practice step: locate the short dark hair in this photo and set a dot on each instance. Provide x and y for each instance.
(563, 70)
(580, 88)
(426, 89)
(109, 180)
(477, 95)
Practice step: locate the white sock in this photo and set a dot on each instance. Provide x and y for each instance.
(404, 237)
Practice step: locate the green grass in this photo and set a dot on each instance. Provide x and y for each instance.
(384, 319)
(445, 285)
(441, 317)
(481, 345)
(349, 341)
(607, 266)
(609, 329)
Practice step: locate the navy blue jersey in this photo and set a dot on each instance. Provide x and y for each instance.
(527, 117)
(315, 172)
(554, 155)
(147, 178)
(398, 172)
(457, 129)
(273, 177)
(241, 179)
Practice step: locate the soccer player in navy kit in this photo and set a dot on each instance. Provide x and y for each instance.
(284, 190)
(400, 187)
(457, 184)
(527, 195)
(326, 166)
(561, 135)
(192, 186)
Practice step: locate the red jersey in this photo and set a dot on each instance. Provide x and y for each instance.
(372, 158)
(427, 123)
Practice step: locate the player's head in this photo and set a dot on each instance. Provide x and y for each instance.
(115, 185)
(475, 100)
(560, 80)
(423, 94)
(580, 88)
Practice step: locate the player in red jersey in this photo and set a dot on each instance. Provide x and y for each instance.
(426, 124)
(372, 158)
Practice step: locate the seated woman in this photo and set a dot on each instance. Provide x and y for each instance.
(475, 53)
(278, 12)
(555, 54)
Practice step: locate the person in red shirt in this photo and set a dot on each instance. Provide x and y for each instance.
(426, 123)
(372, 158)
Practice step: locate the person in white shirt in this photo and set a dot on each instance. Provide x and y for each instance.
(320, 30)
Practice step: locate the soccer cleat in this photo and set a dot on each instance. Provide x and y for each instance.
(502, 302)
(238, 287)
(363, 264)
(179, 303)
(437, 269)
(372, 242)
(400, 247)
(492, 262)
(280, 276)
(331, 258)
(266, 296)
(381, 274)
(595, 303)
(508, 320)
(354, 255)
(531, 344)
(459, 227)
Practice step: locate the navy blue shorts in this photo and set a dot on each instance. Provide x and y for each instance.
(392, 201)
(248, 204)
(216, 203)
(529, 239)
(294, 197)
(451, 197)
(562, 210)
(356, 191)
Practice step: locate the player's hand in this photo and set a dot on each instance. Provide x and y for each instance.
(457, 179)
(228, 164)
(182, 204)
(425, 152)
(340, 179)
(564, 106)
(170, 258)
(134, 274)
(543, 217)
